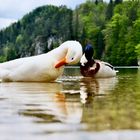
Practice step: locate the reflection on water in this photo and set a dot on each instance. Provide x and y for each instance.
(72, 105)
(96, 87)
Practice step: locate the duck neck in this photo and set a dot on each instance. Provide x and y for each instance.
(60, 52)
(91, 62)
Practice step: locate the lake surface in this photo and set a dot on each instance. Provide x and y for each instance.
(72, 108)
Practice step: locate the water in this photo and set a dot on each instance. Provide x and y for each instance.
(73, 108)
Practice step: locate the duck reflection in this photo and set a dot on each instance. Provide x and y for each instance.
(46, 102)
(29, 87)
(96, 87)
(55, 102)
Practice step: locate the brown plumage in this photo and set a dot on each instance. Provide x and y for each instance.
(86, 69)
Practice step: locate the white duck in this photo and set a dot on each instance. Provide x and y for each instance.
(95, 68)
(45, 67)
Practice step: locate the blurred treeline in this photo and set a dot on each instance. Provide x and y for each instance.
(112, 28)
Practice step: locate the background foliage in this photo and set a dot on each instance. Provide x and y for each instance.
(112, 28)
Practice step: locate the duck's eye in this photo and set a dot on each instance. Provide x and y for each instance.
(72, 58)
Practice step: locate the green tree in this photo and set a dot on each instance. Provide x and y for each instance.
(138, 50)
(122, 34)
(9, 51)
(118, 2)
(92, 20)
(114, 37)
(109, 10)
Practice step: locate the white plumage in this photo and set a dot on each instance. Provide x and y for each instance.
(45, 67)
(106, 70)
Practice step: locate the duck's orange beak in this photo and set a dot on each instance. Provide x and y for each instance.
(61, 63)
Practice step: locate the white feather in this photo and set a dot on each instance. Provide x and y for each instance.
(83, 60)
(105, 71)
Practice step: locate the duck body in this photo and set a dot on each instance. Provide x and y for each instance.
(30, 69)
(98, 69)
(41, 68)
(95, 68)
(105, 70)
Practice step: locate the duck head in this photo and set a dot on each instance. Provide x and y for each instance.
(88, 54)
(73, 53)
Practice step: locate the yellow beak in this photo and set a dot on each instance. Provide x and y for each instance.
(61, 63)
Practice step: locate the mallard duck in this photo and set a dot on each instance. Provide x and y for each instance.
(95, 68)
